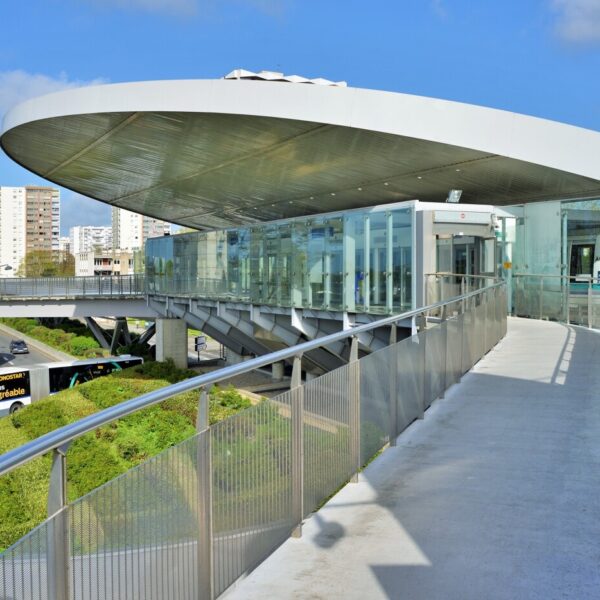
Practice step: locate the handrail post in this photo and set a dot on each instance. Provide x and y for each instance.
(205, 526)
(444, 325)
(425, 375)
(58, 545)
(354, 406)
(589, 302)
(568, 294)
(297, 423)
(393, 365)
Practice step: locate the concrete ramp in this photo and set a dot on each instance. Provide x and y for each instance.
(495, 494)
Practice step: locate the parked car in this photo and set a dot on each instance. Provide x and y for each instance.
(18, 347)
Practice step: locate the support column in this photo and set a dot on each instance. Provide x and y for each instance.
(171, 341)
(277, 371)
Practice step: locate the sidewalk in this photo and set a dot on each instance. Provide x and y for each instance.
(494, 495)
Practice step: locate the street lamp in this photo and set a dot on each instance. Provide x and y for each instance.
(7, 267)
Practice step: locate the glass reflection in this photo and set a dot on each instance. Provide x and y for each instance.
(358, 261)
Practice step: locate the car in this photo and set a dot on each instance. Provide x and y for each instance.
(18, 347)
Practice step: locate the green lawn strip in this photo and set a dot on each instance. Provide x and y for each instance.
(99, 456)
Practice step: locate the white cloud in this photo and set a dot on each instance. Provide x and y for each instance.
(439, 8)
(16, 86)
(578, 20)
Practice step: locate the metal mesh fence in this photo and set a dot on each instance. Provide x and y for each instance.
(251, 487)
(189, 522)
(327, 440)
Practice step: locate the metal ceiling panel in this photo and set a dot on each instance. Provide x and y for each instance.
(213, 168)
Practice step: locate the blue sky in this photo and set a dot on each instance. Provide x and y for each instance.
(539, 57)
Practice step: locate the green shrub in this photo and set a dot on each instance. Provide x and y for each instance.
(79, 345)
(101, 455)
(61, 338)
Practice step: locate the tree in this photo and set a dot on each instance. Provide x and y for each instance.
(47, 263)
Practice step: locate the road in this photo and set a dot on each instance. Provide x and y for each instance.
(20, 360)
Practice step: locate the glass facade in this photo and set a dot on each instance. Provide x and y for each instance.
(554, 248)
(356, 261)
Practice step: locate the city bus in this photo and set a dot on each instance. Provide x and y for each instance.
(22, 386)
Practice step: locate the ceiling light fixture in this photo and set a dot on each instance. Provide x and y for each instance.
(454, 196)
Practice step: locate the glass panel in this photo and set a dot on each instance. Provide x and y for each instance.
(312, 262)
(299, 264)
(316, 259)
(402, 259)
(334, 264)
(377, 262)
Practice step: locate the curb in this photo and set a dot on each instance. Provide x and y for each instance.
(36, 344)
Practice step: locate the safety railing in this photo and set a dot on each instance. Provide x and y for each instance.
(72, 287)
(557, 298)
(190, 521)
(442, 285)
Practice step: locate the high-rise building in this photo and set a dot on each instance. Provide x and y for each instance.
(131, 230)
(29, 221)
(89, 238)
(64, 245)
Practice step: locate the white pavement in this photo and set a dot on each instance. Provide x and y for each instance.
(494, 495)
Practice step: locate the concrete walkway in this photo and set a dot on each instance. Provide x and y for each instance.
(496, 494)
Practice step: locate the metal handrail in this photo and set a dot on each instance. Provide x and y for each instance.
(66, 434)
(73, 287)
(552, 276)
(450, 274)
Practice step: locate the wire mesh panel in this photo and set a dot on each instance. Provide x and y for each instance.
(454, 350)
(375, 396)
(435, 363)
(468, 351)
(410, 359)
(503, 311)
(137, 536)
(251, 487)
(24, 567)
(328, 460)
(479, 337)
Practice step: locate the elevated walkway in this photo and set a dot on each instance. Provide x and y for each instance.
(493, 495)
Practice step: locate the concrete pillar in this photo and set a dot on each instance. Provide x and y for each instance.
(171, 341)
(277, 371)
(233, 358)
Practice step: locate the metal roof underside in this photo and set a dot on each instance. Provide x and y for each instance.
(215, 170)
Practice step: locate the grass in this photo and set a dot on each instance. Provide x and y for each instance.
(71, 337)
(99, 456)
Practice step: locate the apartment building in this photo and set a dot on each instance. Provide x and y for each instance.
(112, 262)
(29, 221)
(131, 230)
(86, 238)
